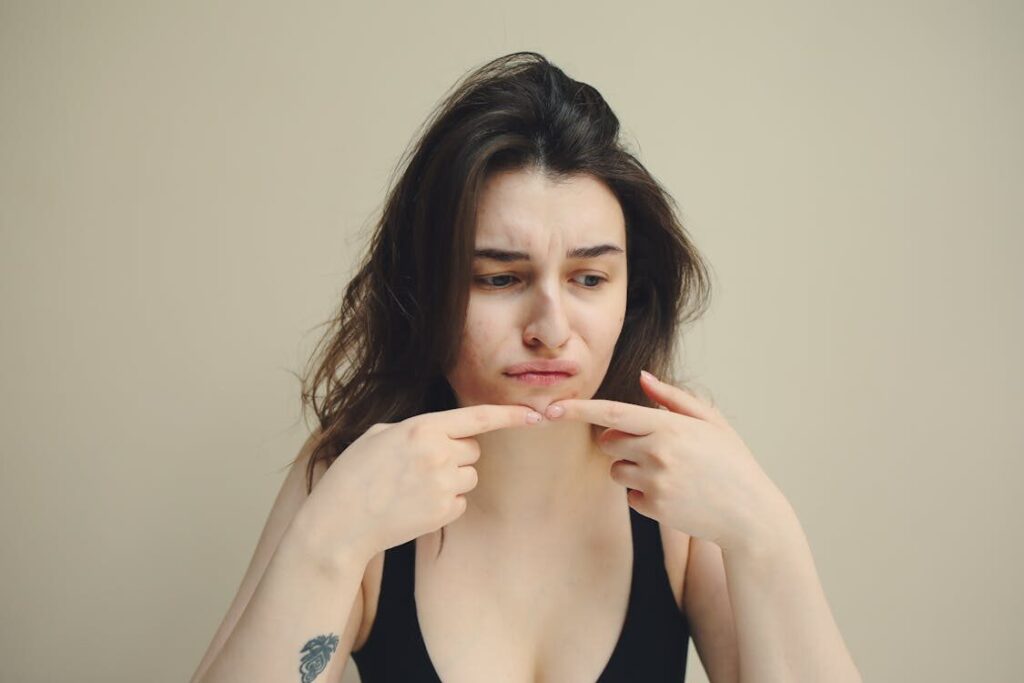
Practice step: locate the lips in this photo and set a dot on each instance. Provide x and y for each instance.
(566, 367)
(541, 379)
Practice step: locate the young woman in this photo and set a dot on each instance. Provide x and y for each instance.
(525, 262)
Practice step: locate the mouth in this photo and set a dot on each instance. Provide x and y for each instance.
(540, 378)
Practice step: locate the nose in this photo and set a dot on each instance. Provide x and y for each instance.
(548, 323)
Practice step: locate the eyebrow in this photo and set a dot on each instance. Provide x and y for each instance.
(506, 256)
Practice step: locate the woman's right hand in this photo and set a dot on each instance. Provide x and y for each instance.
(398, 481)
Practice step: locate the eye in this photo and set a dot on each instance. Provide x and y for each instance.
(489, 280)
(600, 280)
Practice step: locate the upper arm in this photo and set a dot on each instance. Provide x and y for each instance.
(290, 498)
(709, 612)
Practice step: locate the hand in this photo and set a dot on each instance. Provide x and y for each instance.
(398, 481)
(684, 464)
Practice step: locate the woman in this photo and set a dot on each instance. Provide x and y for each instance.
(524, 262)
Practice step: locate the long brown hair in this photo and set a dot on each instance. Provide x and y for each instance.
(397, 331)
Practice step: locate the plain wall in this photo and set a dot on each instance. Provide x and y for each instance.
(185, 187)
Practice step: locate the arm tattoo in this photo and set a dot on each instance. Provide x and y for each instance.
(317, 653)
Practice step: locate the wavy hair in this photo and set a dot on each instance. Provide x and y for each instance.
(396, 333)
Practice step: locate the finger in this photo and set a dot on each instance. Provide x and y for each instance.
(622, 446)
(466, 479)
(679, 400)
(467, 451)
(458, 423)
(625, 417)
(627, 474)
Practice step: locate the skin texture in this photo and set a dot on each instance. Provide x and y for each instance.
(754, 597)
(550, 307)
(684, 464)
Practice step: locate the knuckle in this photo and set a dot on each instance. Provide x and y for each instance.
(676, 430)
(424, 461)
(435, 459)
(414, 430)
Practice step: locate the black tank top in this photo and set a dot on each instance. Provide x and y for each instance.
(652, 645)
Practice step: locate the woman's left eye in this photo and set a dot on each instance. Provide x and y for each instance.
(597, 284)
(488, 280)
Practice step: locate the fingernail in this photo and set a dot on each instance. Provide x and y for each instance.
(554, 411)
(648, 375)
(533, 417)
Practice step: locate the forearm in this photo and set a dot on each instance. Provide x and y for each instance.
(785, 630)
(298, 600)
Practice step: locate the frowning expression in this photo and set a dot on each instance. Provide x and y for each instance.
(548, 283)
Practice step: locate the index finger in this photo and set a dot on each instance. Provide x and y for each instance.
(458, 423)
(624, 417)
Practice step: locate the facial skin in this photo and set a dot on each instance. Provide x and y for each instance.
(550, 307)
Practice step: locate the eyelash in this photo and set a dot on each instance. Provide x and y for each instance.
(483, 280)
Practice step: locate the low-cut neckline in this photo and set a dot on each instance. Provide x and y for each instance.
(633, 521)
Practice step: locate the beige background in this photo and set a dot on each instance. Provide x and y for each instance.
(183, 190)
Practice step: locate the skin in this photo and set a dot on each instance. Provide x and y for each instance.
(537, 477)
(690, 470)
(755, 602)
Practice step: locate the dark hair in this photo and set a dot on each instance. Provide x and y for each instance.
(397, 331)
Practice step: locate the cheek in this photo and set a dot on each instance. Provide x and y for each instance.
(480, 341)
(602, 331)
(476, 376)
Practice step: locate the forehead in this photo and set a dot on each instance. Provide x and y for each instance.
(524, 208)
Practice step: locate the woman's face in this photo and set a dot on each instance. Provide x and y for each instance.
(542, 304)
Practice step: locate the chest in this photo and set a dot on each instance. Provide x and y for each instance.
(544, 613)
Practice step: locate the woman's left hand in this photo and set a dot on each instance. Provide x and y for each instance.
(685, 465)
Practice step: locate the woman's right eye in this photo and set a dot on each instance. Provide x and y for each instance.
(488, 280)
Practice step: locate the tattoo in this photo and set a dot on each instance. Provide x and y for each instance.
(317, 653)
